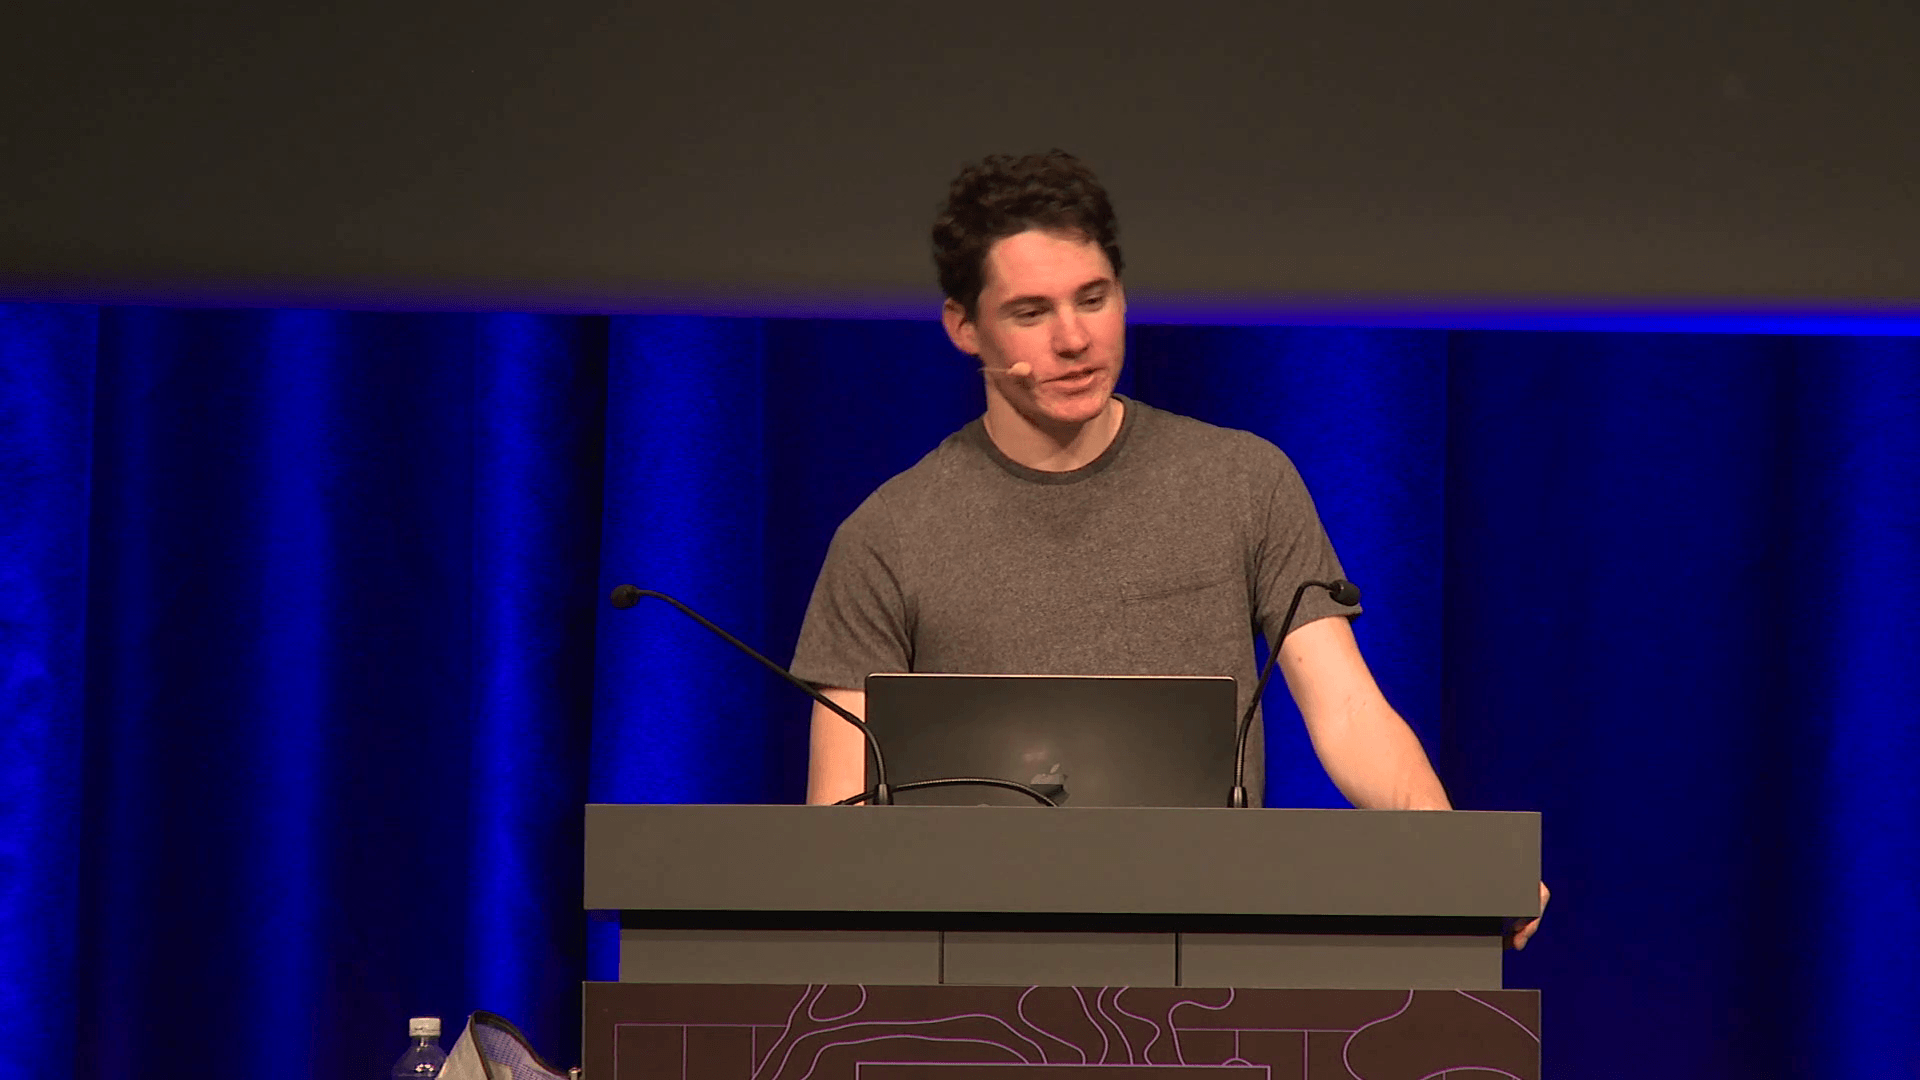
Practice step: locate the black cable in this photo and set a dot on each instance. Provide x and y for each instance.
(954, 781)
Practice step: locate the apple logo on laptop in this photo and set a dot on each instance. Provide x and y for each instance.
(1052, 784)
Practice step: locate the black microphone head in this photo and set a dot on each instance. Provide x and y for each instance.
(1345, 592)
(625, 596)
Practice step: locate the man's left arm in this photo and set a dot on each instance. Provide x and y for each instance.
(1371, 754)
(1368, 750)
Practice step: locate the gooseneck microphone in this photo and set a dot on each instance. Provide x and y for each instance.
(625, 596)
(1345, 593)
(881, 794)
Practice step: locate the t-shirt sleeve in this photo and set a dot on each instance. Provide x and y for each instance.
(1291, 547)
(857, 621)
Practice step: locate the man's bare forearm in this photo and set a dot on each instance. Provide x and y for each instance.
(836, 751)
(1371, 754)
(1376, 761)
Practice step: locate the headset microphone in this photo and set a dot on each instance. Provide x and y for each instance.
(1019, 370)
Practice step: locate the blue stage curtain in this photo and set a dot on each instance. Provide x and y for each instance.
(46, 442)
(309, 670)
(320, 766)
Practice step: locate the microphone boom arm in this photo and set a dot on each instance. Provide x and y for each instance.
(625, 596)
(1343, 592)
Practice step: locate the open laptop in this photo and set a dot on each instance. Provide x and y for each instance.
(1085, 740)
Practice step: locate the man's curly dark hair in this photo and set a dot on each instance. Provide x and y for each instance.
(1004, 195)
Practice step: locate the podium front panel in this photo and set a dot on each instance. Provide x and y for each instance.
(1012, 951)
(899, 957)
(866, 1032)
(1343, 961)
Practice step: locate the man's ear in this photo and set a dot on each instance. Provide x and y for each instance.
(960, 329)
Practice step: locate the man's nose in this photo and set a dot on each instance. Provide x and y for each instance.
(1070, 336)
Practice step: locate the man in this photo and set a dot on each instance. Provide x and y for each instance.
(1071, 531)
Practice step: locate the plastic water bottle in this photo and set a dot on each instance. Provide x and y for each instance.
(423, 1059)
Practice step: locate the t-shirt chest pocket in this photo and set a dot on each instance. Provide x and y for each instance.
(1174, 588)
(1186, 623)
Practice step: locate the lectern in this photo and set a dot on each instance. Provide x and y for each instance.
(911, 942)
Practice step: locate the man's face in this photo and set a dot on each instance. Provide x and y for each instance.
(1049, 300)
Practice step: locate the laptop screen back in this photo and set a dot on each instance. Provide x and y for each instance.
(1086, 740)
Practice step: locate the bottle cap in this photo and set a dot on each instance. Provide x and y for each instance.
(423, 1027)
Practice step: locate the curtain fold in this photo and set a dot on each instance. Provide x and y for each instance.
(539, 398)
(309, 667)
(46, 448)
(1856, 688)
(679, 717)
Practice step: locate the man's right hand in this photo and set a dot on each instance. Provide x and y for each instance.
(1518, 937)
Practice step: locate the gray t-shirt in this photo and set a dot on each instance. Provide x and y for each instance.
(1160, 557)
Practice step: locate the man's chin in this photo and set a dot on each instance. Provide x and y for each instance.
(1076, 409)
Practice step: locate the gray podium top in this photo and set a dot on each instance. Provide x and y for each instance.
(1087, 860)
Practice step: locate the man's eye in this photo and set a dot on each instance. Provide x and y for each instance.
(1094, 302)
(1029, 315)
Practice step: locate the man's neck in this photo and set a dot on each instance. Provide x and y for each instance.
(1051, 447)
